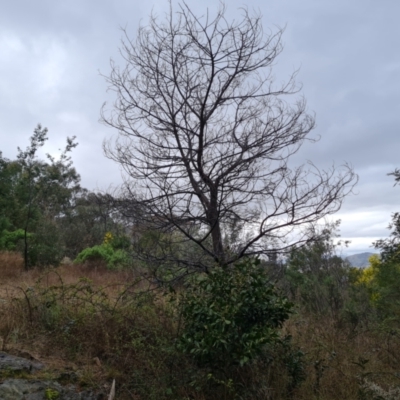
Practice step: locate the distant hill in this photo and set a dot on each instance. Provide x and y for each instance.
(359, 260)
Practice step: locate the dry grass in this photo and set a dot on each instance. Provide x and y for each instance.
(339, 361)
(100, 323)
(11, 265)
(110, 325)
(12, 272)
(13, 277)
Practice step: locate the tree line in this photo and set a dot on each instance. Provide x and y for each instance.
(44, 211)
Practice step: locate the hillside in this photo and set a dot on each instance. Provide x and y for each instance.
(359, 260)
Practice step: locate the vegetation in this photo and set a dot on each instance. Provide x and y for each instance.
(308, 327)
(316, 276)
(231, 315)
(44, 212)
(218, 335)
(113, 251)
(194, 290)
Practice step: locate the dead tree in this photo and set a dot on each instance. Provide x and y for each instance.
(205, 137)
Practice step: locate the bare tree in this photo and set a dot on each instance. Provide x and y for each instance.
(205, 137)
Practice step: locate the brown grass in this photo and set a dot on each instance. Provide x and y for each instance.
(11, 265)
(90, 327)
(339, 360)
(13, 275)
(101, 324)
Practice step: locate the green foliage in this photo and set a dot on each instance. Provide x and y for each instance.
(295, 363)
(86, 226)
(9, 240)
(45, 246)
(231, 315)
(51, 394)
(162, 245)
(11, 215)
(165, 248)
(44, 200)
(390, 247)
(315, 276)
(114, 258)
(35, 195)
(382, 277)
(382, 282)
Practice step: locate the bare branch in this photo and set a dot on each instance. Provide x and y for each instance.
(205, 136)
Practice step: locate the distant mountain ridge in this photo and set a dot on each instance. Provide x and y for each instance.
(359, 260)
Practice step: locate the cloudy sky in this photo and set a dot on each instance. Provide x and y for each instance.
(52, 55)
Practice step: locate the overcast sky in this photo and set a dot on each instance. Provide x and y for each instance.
(52, 55)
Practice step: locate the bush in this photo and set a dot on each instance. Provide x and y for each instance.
(10, 240)
(382, 281)
(113, 258)
(231, 315)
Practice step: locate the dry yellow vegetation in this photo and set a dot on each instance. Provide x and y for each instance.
(104, 325)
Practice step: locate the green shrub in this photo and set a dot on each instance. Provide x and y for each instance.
(231, 315)
(10, 240)
(45, 247)
(113, 258)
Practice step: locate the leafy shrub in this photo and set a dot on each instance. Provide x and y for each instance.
(231, 315)
(113, 258)
(9, 240)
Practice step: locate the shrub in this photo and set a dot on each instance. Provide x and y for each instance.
(113, 258)
(382, 281)
(117, 242)
(231, 315)
(10, 240)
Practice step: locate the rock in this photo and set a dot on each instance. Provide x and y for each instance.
(35, 389)
(22, 389)
(18, 364)
(66, 261)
